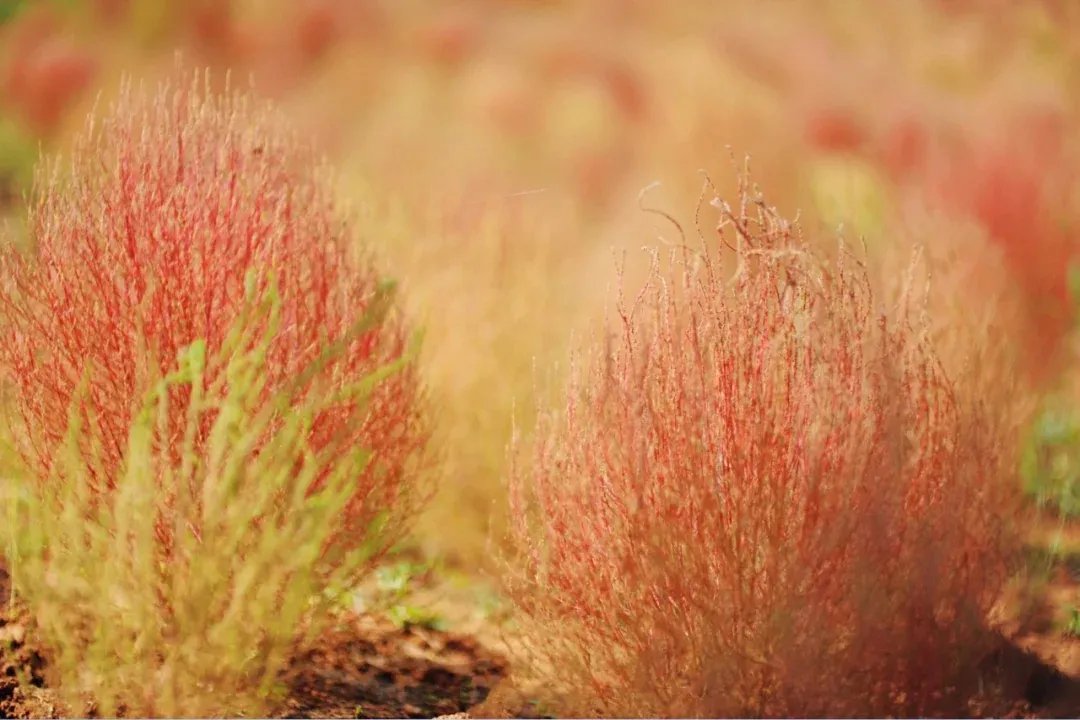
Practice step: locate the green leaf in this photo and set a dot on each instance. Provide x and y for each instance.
(411, 616)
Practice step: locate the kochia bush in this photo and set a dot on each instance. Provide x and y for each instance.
(251, 573)
(765, 496)
(172, 200)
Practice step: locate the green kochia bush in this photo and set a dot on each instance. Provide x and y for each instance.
(251, 570)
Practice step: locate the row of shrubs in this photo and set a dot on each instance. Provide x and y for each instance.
(773, 487)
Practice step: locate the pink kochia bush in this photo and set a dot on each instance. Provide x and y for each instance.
(764, 496)
(173, 202)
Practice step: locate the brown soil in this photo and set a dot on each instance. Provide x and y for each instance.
(22, 680)
(5, 585)
(1016, 682)
(368, 667)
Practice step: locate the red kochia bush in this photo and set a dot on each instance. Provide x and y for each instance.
(43, 72)
(765, 496)
(172, 202)
(1016, 183)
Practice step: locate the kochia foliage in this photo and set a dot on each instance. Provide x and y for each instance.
(764, 496)
(171, 201)
(251, 510)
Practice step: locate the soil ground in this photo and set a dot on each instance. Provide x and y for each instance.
(369, 667)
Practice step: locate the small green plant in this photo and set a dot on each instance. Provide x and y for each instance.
(1050, 463)
(405, 616)
(1072, 622)
(395, 582)
(395, 579)
(1050, 460)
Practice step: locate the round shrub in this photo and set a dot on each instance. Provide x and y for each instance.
(143, 247)
(212, 400)
(764, 496)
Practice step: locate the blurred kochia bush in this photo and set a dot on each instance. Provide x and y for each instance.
(176, 525)
(765, 495)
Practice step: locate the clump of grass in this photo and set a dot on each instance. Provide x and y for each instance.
(250, 569)
(764, 495)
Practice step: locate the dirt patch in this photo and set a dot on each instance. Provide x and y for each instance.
(22, 680)
(1017, 683)
(368, 667)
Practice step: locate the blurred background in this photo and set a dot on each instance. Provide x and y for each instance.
(500, 157)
